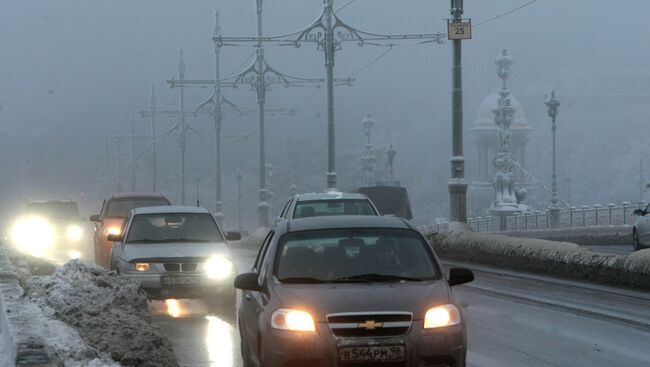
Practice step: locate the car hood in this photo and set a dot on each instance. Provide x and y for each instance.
(323, 299)
(169, 251)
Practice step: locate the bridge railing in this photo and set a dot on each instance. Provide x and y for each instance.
(585, 216)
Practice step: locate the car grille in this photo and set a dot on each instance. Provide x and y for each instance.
(370, 324)
(181, 267)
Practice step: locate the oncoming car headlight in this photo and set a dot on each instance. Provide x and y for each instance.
(112, 230)
(73, 233)
(218, 267)
(32, 235)
(441, 316)
(292, 320)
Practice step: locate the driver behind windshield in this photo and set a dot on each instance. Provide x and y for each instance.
(354, 255)
(149, 228)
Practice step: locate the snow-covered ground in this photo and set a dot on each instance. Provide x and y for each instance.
(86, 316)
(109, 312)
(562, 259)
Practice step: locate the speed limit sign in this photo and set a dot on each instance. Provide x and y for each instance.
(459, 30)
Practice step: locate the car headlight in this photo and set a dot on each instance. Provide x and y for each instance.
(441, 316)
(32, 235)
(112, 230)
(218, 267)
(73, 233)
(141, 267)
(292, 320)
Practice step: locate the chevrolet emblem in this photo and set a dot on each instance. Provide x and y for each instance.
(370, 325)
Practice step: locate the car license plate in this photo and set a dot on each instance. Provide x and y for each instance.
(387, 353)
(181, 281)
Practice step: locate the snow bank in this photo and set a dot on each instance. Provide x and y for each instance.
(639, 261)
(563, 259)
(108, 311)
(30, 334)
(594, 235)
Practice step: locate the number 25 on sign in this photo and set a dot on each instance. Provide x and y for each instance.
(459, 30)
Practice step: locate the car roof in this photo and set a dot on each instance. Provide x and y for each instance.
(137, 195)
(342, 221)
(332, 195)
(64, 201)
(167, 209)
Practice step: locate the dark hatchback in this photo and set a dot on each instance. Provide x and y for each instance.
(350, 291)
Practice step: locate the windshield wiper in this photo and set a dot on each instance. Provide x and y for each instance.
(302, 280)
(144, 240)
(375, 277)
(167, 240)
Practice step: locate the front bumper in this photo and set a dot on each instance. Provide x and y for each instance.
(424, 348)
(152, 284)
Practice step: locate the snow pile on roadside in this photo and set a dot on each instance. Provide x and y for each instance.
(594, 235)
(109, 312)
(546, 257)
(61, 341)
(639, 261)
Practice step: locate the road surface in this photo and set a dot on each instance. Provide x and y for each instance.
(513, 320)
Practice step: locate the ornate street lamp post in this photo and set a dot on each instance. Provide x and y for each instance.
(391, 153)
(369, 159)
(457, 184)
(239, 180)
(554, 210)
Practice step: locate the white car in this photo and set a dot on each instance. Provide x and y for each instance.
(176, 252)
(641, 229)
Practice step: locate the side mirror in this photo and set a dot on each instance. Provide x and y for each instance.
(460, 276)
(94, 218)
(115, 237)
(639, 212)
(233, 236)
(248, 282)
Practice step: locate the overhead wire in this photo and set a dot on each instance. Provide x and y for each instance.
(392, 47)
(506, 13)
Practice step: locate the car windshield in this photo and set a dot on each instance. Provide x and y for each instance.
(55, 210)
(354, 255)
(122, 207)
(173, 227)
(319, 208)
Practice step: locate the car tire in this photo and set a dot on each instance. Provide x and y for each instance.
(260, 353)
(245, 351)
(637, 243)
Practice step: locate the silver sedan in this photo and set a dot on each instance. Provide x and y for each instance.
(176, 252)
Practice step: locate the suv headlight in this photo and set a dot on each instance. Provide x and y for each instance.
(292, 320)
(73, 233)
(218, 267)
(33, 235)
(441, 316)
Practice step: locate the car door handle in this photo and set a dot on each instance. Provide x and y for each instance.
(248, 296)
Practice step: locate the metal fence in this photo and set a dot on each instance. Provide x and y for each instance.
(585, 216)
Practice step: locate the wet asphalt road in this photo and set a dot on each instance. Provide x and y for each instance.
(513, 320)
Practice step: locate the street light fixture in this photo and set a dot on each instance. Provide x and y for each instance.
(554, 210)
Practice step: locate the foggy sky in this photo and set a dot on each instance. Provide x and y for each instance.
(71, 70)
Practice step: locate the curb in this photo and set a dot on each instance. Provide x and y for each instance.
(24, 347)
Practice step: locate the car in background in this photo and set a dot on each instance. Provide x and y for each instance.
(176, 252)
(111, 218)
(327, 204)
(641, 229)
(350, 291)
(50, 229)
